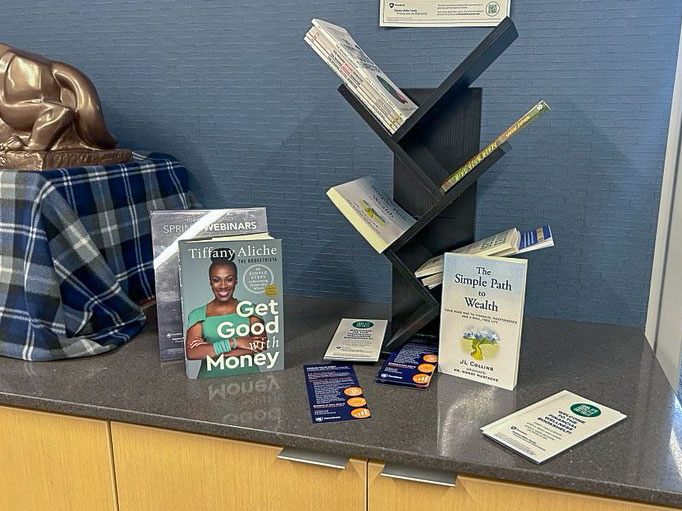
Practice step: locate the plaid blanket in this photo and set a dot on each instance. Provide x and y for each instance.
(76, 254)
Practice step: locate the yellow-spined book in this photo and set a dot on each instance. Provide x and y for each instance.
(524, 121)
(372, 212)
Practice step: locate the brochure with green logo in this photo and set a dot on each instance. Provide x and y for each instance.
(357, 340)
(551, 426)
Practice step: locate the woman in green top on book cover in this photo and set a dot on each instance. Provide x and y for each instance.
(204, 322)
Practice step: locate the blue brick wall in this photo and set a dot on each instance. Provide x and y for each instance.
(233, 91)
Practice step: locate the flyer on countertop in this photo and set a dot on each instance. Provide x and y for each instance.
(357, 340)
(334, 393)
(551, 426)
(432, 13)
(410, 366)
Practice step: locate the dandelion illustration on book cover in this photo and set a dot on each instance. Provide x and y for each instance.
(481, 344)
(372, 213)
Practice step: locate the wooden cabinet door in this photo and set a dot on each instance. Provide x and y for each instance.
(478, 494)
(54, 462)
(163, 470)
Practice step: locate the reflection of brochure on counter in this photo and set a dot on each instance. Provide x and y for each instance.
(551, 426)
(431, 13)
(357, 340)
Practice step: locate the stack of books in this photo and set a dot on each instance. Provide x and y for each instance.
(360, 74)
(505, 243)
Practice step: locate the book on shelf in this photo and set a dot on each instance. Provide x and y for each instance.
(353, 80)
(369, 83)
(167, 228)
(502, 244)
(232, 307)
(497, 244)
(372, 212)
(536, 239)
(524, 121)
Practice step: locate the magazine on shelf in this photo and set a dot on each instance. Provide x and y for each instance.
(232, 307)
(524, 121)
(357, 58)
(500, 245)
(372, 212)
(353, 80)
(167, 228)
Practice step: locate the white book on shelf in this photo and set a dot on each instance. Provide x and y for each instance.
(352, 79)
(372, 212)
(433, 280)
(355, 55)
(500, 244)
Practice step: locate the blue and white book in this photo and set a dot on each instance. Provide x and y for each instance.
(481, 318)
(505, 243)
(536, 239)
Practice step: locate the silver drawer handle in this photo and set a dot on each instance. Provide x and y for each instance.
(420, 475)
(313, 457)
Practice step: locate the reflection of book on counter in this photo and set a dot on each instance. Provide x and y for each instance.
(524, 121)
(372, 212)
(551, 426)
(167, 228)
(506, 243)
(368, 75)
(232, 307)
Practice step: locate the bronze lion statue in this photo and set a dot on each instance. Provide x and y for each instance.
(50, 106)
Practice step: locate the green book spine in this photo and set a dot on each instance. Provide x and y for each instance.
(529, 117)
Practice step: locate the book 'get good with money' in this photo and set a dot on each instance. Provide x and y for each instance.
(232, 307)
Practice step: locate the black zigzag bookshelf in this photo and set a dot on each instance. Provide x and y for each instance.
(440, 136)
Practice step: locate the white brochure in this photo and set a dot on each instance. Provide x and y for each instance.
(551, 426)
(357, 340)
(432, 13)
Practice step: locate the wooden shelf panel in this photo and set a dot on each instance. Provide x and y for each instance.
(384, 135)
(450, 196)
(464, 75)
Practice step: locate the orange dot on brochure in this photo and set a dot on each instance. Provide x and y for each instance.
(431, 358)
(357, 401)
(360, 413)
(426, 368)
(352, 391)
(421, 378)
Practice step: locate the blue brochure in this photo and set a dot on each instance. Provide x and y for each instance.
(334, 393)
(412, 365)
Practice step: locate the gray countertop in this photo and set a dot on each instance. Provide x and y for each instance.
(638, 459)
